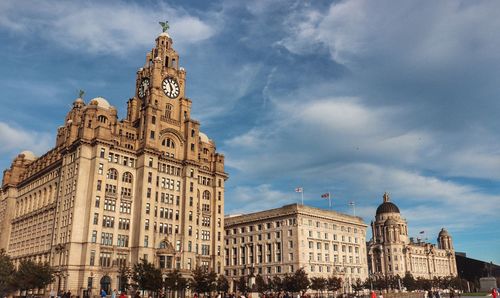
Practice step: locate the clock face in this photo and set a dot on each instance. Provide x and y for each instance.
(171, 87)
(143, 87)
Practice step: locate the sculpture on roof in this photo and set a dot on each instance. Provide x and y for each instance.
(81, 93)
(164, 26)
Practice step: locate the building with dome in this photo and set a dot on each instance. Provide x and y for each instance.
(392, 252)
(113, 191)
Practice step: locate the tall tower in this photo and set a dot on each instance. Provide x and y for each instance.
(390, 235)
(112, 192)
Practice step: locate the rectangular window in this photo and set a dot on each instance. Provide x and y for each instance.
(92, 257)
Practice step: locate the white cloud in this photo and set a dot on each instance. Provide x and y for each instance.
(257, 198)
(109, 27)
(15, 140)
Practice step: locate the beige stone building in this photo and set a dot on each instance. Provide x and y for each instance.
(112, 192)
(282, 240)
(392, 252)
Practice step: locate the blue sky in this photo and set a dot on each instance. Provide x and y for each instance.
(351, 97)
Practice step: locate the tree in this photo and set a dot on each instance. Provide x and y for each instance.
(174, 281)
(318, 284)
(409, 282)
(203, 281)
(358, 285)
(31, 275)
(147, 277)
(300, 281)
(7, 271)
(276, 284)
(124, 274)
(241, 284)
(222, 284)
(334, 283)
(260, 284)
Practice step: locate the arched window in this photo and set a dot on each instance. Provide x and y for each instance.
(112, 174)
(168, 143)
(168, 111)
(102, 119)
(206, 195)
(127, 177)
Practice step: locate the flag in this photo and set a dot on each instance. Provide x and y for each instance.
(325, 195)
(299, 189)
(422, 232)
(352, 203)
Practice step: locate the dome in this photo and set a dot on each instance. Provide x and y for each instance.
(390, 222)
(204, 138)
(164, 34)
(100, 102)
(443, 232)
(28, 155)
(387, 206)
(79, 100)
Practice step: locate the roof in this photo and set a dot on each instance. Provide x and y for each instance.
(387, 206)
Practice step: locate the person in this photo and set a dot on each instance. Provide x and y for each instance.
(52, 294)
(381, 295)
(494, 293)
(452, 293)
(373, 295)
(113, 294)
(137, 294)
(103, 293)
(122, 295)
(68, 294)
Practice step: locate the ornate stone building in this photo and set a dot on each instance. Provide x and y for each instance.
(112, 192)
(282, 240)
(392, 252)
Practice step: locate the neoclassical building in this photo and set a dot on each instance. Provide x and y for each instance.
(279, 241)
(114, 191)
(392, 252)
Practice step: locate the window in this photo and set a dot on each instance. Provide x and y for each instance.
(112, 174)
(206, 195)
(94, 236)
(168, 111)
(101, 169)
(97, 201)
(102, 119)
(169, 143)
(96, 218)
(127, 177)
(103, 152)
(92, 257)
(146, 241)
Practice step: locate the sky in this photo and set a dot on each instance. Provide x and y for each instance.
(352, 97)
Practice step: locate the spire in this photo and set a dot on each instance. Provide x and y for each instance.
(386, 197)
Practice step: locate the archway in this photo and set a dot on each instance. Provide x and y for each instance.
(106, 284)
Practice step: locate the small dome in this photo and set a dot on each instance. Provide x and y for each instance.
(164, 34)
(387, 206)
(204, 138)
(79, 101)
(100, 102)
(443, 232)
(390, 222)
(28, 155)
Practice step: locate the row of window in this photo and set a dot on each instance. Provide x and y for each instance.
(117, 158)
(325, 225)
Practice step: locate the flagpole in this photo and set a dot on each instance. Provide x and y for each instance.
(302, 195)
(329, 201)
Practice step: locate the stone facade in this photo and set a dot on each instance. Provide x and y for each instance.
(392, 252)
(112, 192)
(280, 241)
